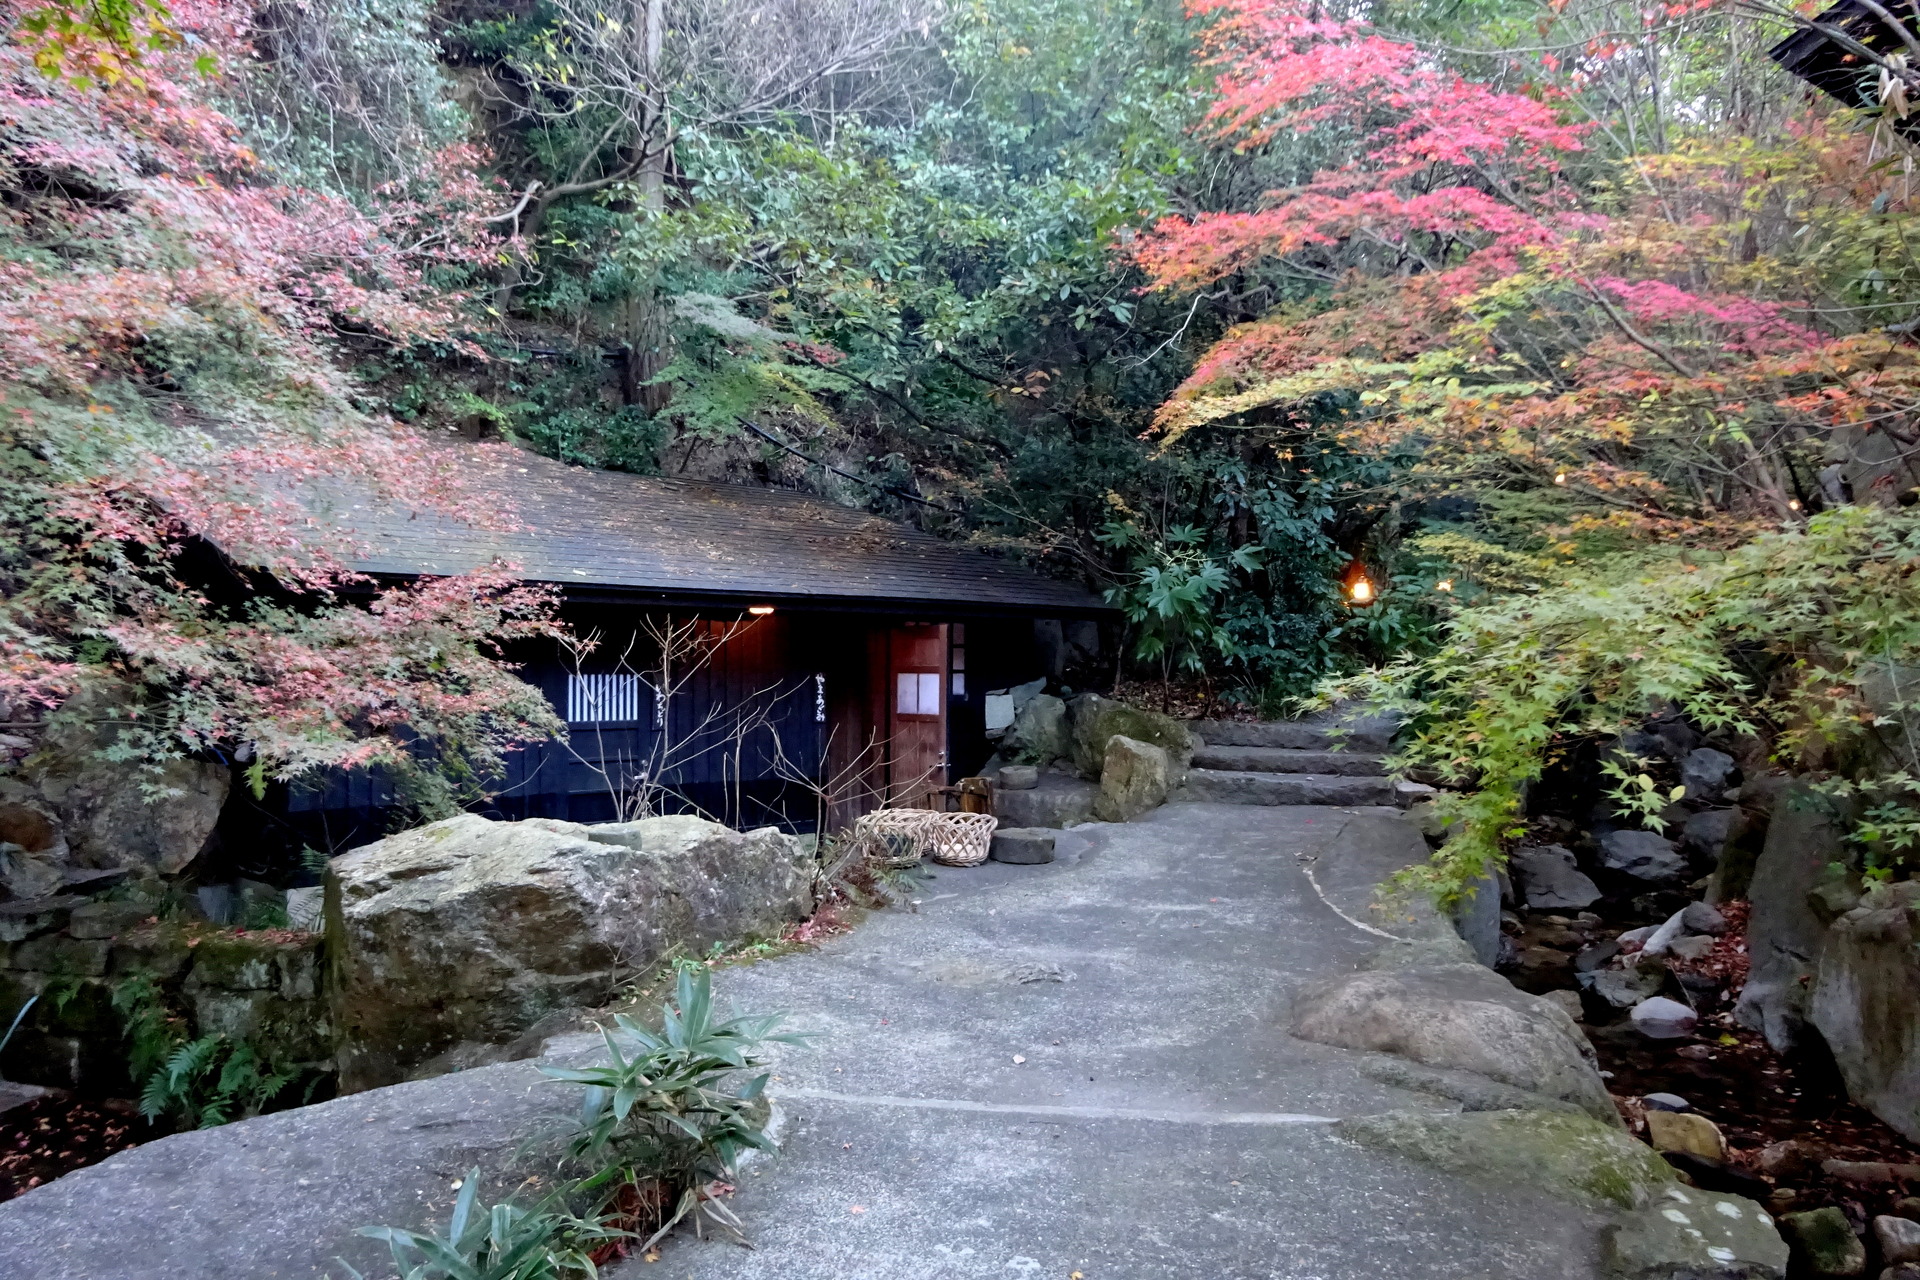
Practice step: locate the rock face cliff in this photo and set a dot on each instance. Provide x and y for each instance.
(1862, 999)
(464, 935)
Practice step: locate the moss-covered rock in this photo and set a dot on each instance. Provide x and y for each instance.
(160, 952)
(1133, 779)
(1097, 720)
(240, 961)
(1574, 1157)
(1039, 733)
(1823, 1243)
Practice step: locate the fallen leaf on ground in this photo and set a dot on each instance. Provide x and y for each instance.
(1019, 1058)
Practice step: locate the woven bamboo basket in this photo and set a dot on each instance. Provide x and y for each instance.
(894, 837)
(959, 839)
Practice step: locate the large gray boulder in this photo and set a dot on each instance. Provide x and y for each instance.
(1039, 734)
(1548, 879)
(1784, 932)
(282, 1195)
(69, 807)
(1133, 779)
(472, 932)
(1096, 720)
(1643, 855)
(1862, 1002)
(1460, 1016)
(1688, 1234)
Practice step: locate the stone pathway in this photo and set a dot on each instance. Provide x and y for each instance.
(1078, 1067)
(1084, 1067)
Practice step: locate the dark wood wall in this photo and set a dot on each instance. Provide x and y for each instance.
(814, 687)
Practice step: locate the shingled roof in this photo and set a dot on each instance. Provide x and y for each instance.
(586, 528)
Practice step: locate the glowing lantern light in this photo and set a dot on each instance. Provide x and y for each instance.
(1362, 591)
(1445, 584)
(1561, 478)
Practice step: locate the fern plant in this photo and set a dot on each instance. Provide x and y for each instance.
(211, 1080)
(663, 1107)
(196, 1083)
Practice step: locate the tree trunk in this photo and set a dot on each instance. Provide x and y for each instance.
(643, 329)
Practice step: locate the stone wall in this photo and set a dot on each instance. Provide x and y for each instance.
(73, 951)
(68, 813)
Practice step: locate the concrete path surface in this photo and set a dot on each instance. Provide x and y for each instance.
(1080, 1067)
(1084, 1068)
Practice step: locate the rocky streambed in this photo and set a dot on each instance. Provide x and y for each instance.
(1747, 995)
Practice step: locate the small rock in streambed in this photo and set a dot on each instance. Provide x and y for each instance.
(1902, 1271)
(1643, 855)
(1622, 988)
(1788, 1159)
(1907, 1207)
(1667, 1102)
(1546, 876)
(1634, 937)
(1665, 936)
(1659, 1018)
(1899, 1239)
(1703, 917)
(1591, 958)
(1823, 1243)
(1709, 831)
(1662, 903)
(1698, 947)
(1687, 1132)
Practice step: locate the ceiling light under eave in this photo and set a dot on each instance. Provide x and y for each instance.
(760, 610)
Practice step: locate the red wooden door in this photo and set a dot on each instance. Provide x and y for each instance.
(916, 693)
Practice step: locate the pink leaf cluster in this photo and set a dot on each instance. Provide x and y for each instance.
(168, 379)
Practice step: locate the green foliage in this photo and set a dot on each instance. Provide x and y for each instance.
(1169, 596)
(1888, 830)
(101, 43)
(664, 1107)
(1806, 638)
(500, 1242)
(661, 1110)
(191, 1083)
(211, 1080)
(151, 1029)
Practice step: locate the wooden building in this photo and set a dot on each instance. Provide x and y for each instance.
(1827, 53)
(761, 656)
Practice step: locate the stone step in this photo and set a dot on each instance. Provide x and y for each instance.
(1235, 786)
(1323, 732)
(1353, 764)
